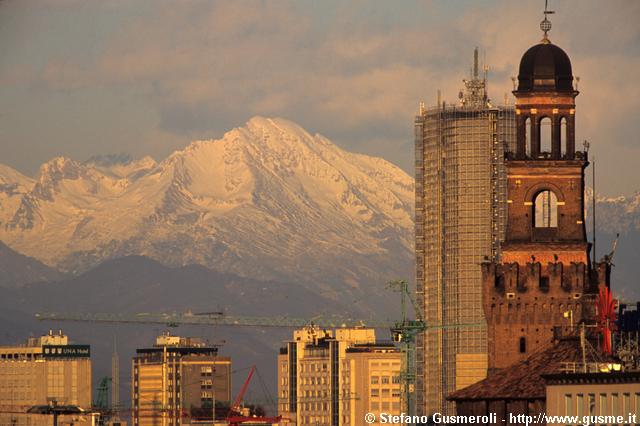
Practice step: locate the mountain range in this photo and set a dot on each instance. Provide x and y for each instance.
(268, 200)
(619, 215)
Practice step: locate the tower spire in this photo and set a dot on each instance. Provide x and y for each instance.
(115, 378)
(545, 25)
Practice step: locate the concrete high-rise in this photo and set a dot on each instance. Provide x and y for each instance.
(460, 221)
(46, 370)
(178, 381)
(334, 380)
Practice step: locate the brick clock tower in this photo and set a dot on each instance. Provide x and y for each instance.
(544, 281)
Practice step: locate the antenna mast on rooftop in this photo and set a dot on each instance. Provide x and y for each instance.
(115, 378)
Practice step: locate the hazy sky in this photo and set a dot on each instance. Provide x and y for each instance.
(81, 77)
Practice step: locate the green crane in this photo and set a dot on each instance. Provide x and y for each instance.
(404, 332)
(102, 399)
(212, 318)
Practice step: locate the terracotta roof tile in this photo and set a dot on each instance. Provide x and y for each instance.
(523, 380)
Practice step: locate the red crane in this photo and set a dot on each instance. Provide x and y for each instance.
(235, 417)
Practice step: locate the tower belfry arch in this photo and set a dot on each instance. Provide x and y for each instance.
(545, 269)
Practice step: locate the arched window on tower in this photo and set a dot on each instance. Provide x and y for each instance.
(527, 136)
(545, 135)
(545, 210)
(563, 136)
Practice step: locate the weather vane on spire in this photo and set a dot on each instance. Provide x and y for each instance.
(545, 25)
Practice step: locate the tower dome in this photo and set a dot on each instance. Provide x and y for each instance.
(545, 68)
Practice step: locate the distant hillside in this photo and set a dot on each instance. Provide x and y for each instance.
(17, 270)
(138, 284)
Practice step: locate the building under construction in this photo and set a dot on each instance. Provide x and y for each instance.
(460, 220)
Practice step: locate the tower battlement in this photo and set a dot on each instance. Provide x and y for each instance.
(529, 304)
(535, 279)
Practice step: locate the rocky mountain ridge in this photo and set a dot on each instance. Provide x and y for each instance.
(267, 200)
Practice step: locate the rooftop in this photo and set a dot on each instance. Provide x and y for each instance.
(525, 380)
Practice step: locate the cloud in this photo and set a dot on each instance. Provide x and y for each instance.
(352, 71)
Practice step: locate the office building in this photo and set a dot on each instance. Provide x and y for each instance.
(334, 378)
(44, 371)
(178, 381)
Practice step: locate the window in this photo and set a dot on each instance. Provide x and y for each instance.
(545, 134)
(603, 404)
(523, 345)
(375, 392)
(544, 283)
(592, 404)
(580, 405)
(527, 136)
(568, 407)
(384, 380)
(563, 136)
(545, 210)
(375, 380)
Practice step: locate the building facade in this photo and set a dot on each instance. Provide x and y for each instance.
(545, 281)
(614, 397)
(178, 381)
(460, 221)
(327, 379)
(46, 370)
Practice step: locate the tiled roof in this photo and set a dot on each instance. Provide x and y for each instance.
(523, 380)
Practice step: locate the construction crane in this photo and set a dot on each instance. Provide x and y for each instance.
(216, 318)
(236, 417)
(404, 332)
(102, 398)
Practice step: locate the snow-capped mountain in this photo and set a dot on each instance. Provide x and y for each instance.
(267, 200)
(616, 214)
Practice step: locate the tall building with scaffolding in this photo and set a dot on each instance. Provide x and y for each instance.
(460, 221)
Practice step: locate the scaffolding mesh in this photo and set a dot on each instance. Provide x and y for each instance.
(460, 219)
